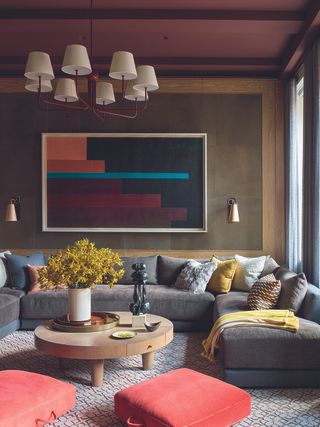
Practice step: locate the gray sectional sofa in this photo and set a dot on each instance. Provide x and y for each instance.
(251, 357)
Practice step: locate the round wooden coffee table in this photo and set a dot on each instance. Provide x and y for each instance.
(98, 346)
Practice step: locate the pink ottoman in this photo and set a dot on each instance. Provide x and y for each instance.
(32, 400)
(182, 398)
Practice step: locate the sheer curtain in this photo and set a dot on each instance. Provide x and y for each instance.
(293, 181)
(311, 185)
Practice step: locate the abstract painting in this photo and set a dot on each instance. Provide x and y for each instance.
(124, 182)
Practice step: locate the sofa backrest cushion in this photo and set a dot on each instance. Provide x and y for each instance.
(17, 267)
(4, 277)
(293, 289)
(151, 268)
(169, 269)
(310, 308)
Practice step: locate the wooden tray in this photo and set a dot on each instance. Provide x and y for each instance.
(99, 321)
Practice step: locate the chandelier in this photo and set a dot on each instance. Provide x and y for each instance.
(100, 100)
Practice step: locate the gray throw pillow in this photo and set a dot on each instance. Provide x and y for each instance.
(195, 276)
(270, 266)
(169, 269)
(4, 278)
(151, 268)
(293, 289)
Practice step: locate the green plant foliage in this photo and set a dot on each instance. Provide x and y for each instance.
(81, 265)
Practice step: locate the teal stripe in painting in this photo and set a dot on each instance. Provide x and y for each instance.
(120, 175)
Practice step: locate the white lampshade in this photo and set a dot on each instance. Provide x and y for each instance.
(104, 93)
(39, 65)
(33, 85)
(134, 94)
(76, 59)
(11, 213)
(66, 91)
(146, 78)
(122, 65)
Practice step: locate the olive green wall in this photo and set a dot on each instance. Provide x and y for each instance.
(232, 123)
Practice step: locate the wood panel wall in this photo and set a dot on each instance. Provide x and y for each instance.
(272, 136)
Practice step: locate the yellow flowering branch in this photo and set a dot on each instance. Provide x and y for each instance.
(81, 265)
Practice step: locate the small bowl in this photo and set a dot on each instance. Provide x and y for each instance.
(152, 326)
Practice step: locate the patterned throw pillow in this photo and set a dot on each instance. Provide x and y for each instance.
(265, 293)
(195, 276)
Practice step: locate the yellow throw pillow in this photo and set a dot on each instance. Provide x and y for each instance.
(221, 279)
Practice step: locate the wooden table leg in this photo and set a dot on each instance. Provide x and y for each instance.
(147, 360)
(97, 369)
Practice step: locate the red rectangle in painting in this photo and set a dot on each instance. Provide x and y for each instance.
(66, 147)
(83, 185)
(76, 166)
(115, 218)
(101, 200)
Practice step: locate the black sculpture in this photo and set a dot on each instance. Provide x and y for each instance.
(139, 305)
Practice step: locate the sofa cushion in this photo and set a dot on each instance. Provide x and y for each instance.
(165, 301)
(195, 276)
(310, 308)
(9, 308)
(169, 269)
(264, 348)
(293, 290)
(247, 272)
(4, 277)
(229, 303)
(18, 273)
(151, 268)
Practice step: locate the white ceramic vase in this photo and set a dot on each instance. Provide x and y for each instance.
(79, 301)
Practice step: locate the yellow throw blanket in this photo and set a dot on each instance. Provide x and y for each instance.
(278, 319)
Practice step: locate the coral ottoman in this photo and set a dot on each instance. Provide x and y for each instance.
(32, 400)
(182, 398)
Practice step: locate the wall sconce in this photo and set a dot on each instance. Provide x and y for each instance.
(13, 210)
(233, 213)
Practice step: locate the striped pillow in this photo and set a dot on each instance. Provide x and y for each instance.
(265, 293)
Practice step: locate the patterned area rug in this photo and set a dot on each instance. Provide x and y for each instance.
(270, 407)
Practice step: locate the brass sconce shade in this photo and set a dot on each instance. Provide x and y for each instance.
(233, 213)
(12, 212)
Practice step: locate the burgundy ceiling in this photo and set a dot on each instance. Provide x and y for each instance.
(179, 37)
